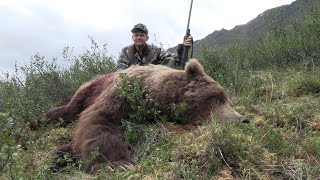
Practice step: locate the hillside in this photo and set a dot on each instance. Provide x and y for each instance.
(256, 28)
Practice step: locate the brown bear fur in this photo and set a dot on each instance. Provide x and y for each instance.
(101, 109)
(83, 98)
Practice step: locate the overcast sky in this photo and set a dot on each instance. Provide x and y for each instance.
(47, 26)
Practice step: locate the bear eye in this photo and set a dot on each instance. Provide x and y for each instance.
(219, 100)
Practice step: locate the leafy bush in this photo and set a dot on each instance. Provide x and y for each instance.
(308, 85)
(87, 65)
(7, 142)
(144, 111)
(227, 66)
(289, 44)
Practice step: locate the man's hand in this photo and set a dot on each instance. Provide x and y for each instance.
(188, 42)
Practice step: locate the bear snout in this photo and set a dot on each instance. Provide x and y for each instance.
(226, 113)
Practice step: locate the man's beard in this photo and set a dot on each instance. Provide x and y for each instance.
(140, 44)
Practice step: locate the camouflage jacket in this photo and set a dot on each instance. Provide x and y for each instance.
(151, 54)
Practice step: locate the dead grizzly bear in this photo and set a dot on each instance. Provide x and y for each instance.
(100, 109)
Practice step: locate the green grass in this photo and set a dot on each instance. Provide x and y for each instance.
(280, 142)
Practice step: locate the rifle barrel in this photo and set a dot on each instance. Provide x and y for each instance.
(189, 15)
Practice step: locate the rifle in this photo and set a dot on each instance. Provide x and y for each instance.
(185, 53)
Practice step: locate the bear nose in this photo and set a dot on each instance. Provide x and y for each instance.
(245, 120)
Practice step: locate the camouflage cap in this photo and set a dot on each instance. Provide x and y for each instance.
(139, 27)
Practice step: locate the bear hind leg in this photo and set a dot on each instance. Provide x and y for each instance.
(107, 150)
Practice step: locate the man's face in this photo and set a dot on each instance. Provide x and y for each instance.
(140, 38)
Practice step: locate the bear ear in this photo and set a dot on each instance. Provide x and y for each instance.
(194, 68)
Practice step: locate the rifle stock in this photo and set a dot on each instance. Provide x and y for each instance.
(185, 53)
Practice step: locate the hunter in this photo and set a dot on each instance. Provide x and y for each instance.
(142, 53)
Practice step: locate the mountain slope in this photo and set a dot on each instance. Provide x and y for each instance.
(257, 27)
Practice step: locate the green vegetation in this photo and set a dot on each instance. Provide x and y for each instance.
(275, 82)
